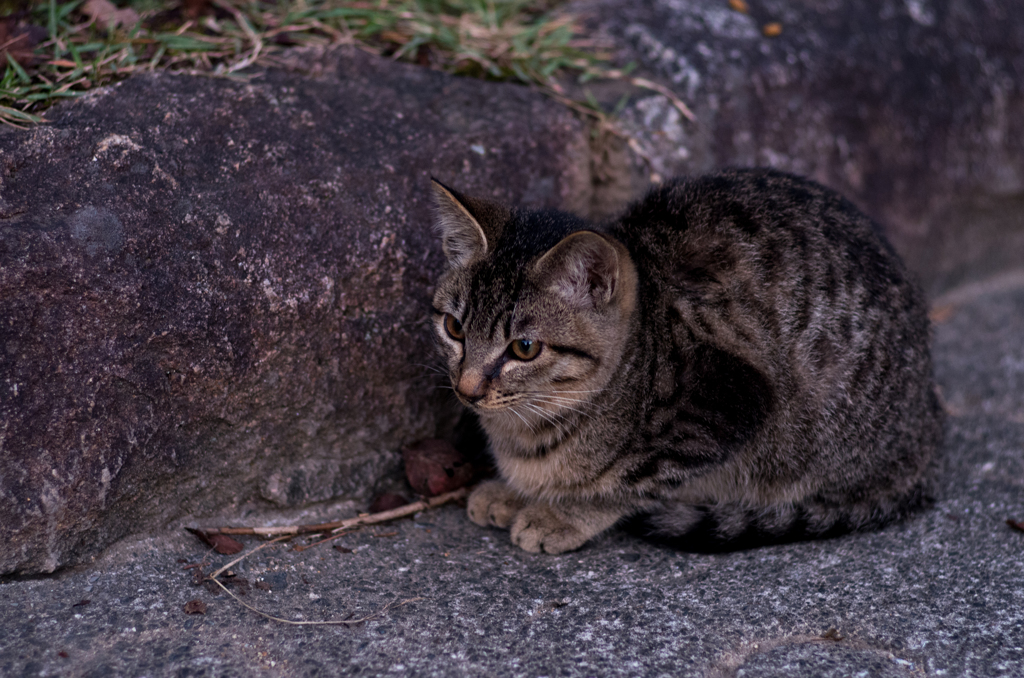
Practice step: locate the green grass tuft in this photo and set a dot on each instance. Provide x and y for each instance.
(67, 48)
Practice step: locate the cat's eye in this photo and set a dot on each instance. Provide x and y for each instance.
(525, 349)
(453, 327)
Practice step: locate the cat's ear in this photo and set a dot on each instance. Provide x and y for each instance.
(462, 237)
(583, 269)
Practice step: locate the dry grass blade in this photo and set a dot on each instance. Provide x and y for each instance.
(666, 92)
(242, 557)
(328, 622)
(254, 38)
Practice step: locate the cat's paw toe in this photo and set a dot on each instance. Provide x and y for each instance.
(539, 528)
(493, 503)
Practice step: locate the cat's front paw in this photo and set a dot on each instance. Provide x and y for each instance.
(540, 527)
(493, 503)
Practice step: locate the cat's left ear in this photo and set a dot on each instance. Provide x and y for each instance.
(583, 269)
(462, 237)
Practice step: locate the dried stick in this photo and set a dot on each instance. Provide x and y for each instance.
(666, 92)
(246, 555)
(347, 622)
(339, 525)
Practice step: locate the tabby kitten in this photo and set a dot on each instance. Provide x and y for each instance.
(739, 359)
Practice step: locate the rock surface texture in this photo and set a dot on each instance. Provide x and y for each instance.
(938, 595)
(213, 291)
(913, 108)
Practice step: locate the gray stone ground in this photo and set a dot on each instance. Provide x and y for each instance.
(942, 594)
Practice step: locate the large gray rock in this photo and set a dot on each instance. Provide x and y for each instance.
(913, 108)
(214, 291)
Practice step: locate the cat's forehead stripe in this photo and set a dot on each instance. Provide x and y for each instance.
(456, 300)
(508, 322)
(494, 324)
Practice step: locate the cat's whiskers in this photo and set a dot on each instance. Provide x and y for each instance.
(565, 405)
(547, 415)
(569, 421)
(551, 418)
(432, 368)
(513, 410)
(561, 397)
(559, 421)
(560, 400)
(563, 393)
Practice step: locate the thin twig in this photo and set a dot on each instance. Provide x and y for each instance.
(349, 622)
(246, 555)
(334, 622)
(339, 525)
(666, 92)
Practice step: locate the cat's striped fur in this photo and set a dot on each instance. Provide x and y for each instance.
(741, 358)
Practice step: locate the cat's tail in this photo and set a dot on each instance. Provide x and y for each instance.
(734, 526)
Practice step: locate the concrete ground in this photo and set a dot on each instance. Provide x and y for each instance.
(942, 594)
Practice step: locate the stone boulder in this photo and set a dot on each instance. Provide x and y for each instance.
(213, 291)
(913, 108)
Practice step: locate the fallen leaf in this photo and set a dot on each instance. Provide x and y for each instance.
(341, 549)
(387, 501)
(434, 467)
(195, 607)
(225, 545)
(262, 586)
(107, 15)
(772, 30)
(221, 543)
(1015, 524)
(82, 603)
(62, 654)
(739, 6)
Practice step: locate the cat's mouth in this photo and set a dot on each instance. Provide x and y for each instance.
(482, 404)
(520, 411)
(486, 401)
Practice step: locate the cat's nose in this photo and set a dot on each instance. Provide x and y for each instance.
(472, 386)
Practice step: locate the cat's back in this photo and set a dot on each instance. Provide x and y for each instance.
(763, 227)
(760, 261)
(777, 301)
